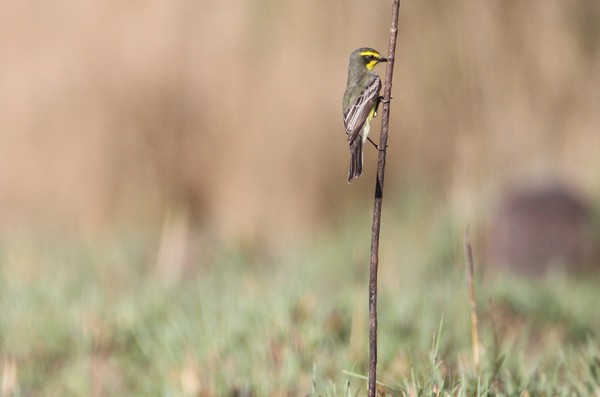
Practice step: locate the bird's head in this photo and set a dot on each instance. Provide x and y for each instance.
(367, 57)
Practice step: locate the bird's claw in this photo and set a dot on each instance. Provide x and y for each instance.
(376, 145)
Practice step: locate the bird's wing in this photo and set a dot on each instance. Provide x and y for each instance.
(355, 118)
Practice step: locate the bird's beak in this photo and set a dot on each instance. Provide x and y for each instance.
(383, 60)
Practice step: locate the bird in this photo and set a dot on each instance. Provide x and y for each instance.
(361, 99)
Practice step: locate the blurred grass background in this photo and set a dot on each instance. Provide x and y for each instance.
(174, 193)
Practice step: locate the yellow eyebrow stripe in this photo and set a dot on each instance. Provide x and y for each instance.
(371, 53)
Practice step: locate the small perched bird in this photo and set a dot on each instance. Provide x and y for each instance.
(360, 103)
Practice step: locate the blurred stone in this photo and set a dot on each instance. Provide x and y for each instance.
(540, 230)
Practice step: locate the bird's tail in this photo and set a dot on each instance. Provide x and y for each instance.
(356, 160)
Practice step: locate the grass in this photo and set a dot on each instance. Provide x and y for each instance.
(94, 318)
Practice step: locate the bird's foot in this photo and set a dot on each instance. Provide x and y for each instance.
(376, 145)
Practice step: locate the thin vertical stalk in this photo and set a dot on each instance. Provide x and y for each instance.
(375, 231)
(472, 300)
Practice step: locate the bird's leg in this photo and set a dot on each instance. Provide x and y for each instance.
(376, 145)
(380, 100)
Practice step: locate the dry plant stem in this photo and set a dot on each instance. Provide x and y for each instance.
(385, 119)
(472, 301)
